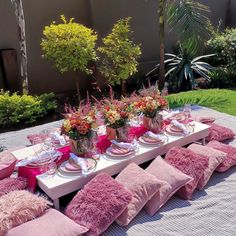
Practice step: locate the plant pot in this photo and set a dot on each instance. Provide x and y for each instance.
(153, 124)
(79, 146)
(120, 134)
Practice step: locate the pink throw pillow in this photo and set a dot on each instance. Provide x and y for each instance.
(7, 163)
(230, 151)
(18, 207)
(219, 133)
(205, 119)
(173, 179)
(99, 203)
(143, 187)
(215, 158)
(8, 185)
(191, 164)
(52, 222)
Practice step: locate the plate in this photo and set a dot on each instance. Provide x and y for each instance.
(119, 151)
(42, 163)
(63, 168)
(109, 153)
(178, 117)
(177, 133)
(161, 142)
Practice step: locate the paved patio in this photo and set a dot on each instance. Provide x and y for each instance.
(19, 138)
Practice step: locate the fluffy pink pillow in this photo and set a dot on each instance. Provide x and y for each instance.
(143, 187)
(99, 203)
(7, 163)
(18, 207)
(219, 133)
(173, 179)
(52, 222)
(215, 158)
(205, 119)
(8, 185)
(230, 151)
(191, 164)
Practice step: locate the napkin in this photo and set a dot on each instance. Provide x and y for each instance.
(173, 113)
(181, 126)
(155, 136)
(130, 146)
(34, 158)
(81, 162)
(60, 138)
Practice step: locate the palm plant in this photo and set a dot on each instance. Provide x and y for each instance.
(187, 18)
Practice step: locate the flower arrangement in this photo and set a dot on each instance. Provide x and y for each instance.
(150, 105)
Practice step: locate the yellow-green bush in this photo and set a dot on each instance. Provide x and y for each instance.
(24, 109)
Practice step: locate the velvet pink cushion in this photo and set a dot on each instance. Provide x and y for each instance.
(191, 164)
(143, 187)
(215, 159)
(230, 151)
(219, 133)
(173, 179)
(51, 223)
(8, 185)
(18, 207)
(7, 163)
(99, 203)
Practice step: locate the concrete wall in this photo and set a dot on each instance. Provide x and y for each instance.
(99, 14)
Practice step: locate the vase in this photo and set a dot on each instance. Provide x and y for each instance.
(119, 134)
(79, 146)
(153, 124)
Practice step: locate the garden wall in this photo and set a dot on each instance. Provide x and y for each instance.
(99, 14)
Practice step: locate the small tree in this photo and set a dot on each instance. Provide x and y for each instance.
(70, 46)
(119, 54)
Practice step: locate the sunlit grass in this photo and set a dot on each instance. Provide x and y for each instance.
(222, 100)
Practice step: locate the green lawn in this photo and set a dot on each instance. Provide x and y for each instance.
(222, 100)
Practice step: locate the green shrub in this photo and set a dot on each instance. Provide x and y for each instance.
(24, 109)
(224, 44)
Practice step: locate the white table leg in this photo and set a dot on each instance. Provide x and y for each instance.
(56, 204)
(204, 141)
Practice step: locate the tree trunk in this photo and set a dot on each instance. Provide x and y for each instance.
(78, 87)
(123, 87)
(17, 4)
(162, 44)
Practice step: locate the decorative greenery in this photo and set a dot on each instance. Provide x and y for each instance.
(2, 148)
(119, 54)
(224, 44)
(24, 109)
(222, 100)
(71, 46)
(187, 18)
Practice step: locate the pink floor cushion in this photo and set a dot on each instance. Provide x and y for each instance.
(51, 223)
(143, 187)
(173, 179)
(8, 185)
(219, 133)
(205, 119)
(36, 138)
(215, 159)
(18, 207)
(191, 164)
(230, 151)
(99, 203)
(7, 163)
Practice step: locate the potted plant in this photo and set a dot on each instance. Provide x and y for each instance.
(71, 46)
(79, 125)
(150, 107)
(119, 54)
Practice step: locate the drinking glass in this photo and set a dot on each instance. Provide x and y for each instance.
(187, 111)
(51, 168)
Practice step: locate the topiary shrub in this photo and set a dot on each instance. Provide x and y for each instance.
(25, 109)
(71, 46)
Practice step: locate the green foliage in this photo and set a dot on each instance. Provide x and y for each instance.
(69, 45)
(219, 99)
(188, 18)
(224, 44)
(119, 53)
(24, 109)
(2, 148)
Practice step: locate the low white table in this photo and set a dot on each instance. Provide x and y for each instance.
(58, 185)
